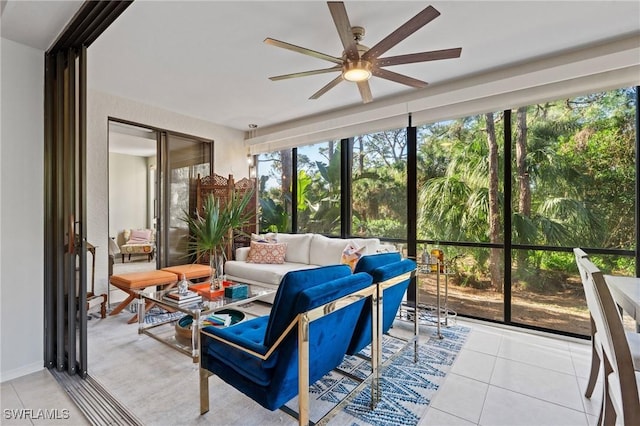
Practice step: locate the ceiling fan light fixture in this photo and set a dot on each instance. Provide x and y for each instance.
(356, 71)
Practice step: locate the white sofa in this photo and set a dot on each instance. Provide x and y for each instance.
(304, 251)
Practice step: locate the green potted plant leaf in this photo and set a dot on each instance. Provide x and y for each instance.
(211, 231)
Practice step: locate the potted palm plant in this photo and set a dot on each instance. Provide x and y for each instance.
(212, 231)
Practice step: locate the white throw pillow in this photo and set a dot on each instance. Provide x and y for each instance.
(351, 255)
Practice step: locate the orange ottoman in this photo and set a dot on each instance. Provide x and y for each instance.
(191, 271)
(134, 282)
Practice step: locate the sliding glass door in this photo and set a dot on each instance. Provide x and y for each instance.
(183, 158)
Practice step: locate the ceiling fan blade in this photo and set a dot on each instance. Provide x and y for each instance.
(399, 78)
(305, 73)
(340, 18)
(434, 55)
(333, 83)
(411, 26)
(302, 50)
(365, 91)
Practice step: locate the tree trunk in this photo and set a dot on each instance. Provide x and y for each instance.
(524, 198)
(361, 155)
(524, 188)
(495, 260)
(285, 182)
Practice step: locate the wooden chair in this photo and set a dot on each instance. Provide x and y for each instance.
(94, 299)
(596, 345)
(621, 402)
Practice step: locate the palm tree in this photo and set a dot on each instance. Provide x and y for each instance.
(456, 206)
(213, 231)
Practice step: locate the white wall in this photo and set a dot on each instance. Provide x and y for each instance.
(127, 193)
(230, 157)
(21, 210)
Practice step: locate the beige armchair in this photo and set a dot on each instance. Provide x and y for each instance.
(139, 241)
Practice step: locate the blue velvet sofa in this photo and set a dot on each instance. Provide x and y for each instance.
(272, 359)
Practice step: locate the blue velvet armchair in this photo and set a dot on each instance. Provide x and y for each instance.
(392, 276)
(272, 359)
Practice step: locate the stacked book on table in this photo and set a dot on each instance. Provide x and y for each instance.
(188, 298)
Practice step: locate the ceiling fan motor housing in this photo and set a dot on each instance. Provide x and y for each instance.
(356, 70)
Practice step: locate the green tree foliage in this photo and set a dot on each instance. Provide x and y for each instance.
(579, 164)
(453, 206)
(577, 161)
(319, 190)
(379, 184)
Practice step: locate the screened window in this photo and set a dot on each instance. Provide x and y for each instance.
(573, 162)
(276, 200)
(379, 188)
(318, 197)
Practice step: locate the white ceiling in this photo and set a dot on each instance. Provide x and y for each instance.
(131, 140)
(36, 23)
(207, 59)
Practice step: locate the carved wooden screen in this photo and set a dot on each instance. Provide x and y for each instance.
(241, 187)
(222, 188)
(214, 184)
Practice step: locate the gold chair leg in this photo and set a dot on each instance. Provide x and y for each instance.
(376, 345)
(303, 370)
(416, 317)
(204, 390)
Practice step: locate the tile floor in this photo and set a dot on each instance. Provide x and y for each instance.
(37, 399)
(503, 376)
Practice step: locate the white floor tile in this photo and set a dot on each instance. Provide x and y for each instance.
(474, 365)
(581, 364)
(549, 357)
(11, 406)
(8, 396)
(503, 407)
(37, 392)
(533, 338)
(537, 382)
(580, 347)
(461, 397)
(436, 417)
(484, 341)
(592, 420)
(591, 405)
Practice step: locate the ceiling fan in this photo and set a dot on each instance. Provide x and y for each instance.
(358, 62)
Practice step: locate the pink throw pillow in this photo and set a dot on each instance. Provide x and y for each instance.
(267, 252)
(140, 236)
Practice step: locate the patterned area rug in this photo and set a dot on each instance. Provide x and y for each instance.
(407, 387)
(158, 315)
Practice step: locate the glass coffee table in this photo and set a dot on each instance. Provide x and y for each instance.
(165, 331)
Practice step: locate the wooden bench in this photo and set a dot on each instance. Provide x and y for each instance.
(191, 271)
(134, 282)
